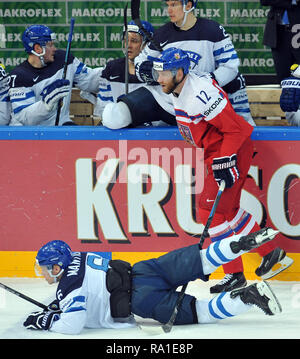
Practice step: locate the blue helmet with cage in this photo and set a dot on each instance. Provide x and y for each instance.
(54, 252)
(171, 59)
(132, 27)
(37, 34)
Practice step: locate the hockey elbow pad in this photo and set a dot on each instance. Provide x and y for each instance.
(225, 168)
(238, 83)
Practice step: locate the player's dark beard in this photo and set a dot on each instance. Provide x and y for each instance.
(175, 84)
(172, 87)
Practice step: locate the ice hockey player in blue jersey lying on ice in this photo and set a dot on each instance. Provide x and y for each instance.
(95, 292)
(37, 84)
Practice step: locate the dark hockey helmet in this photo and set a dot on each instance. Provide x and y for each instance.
(37, 34)
(170, 59)
(54, 252)
(132, 27)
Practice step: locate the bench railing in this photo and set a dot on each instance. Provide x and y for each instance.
(263, 100)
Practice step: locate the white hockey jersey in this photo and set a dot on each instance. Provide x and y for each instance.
(28, 82)
(5, 107)
(83, 297)
(112, 84)
(210, 50)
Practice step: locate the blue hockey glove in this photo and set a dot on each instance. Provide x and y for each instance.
(290, 95)
(225, 168)
(54, 92)
(144, 72)
(41, 320)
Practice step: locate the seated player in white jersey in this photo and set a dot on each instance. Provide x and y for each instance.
(113, 82)
(95, 292)
(211, 52)
(37, 84)
(5, 107)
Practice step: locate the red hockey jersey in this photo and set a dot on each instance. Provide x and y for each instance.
(206, 118)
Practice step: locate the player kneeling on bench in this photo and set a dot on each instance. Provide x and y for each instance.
(95, 292)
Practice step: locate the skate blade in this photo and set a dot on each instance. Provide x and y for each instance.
(284, 264)
(274, 305)
(262, 238)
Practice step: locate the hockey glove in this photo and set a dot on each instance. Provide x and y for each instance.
(4, 79)
(144, 72)
(225, 168)
(290, 95)
(41, 320)
(54, 306)
(54, 92)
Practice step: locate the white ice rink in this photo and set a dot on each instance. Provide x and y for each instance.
(251, 325)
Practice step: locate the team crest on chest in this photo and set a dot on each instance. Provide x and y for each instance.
(186, 133)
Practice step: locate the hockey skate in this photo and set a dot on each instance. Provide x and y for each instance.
(253, 240)
(261, 295)
(229, 282)
(273, 263)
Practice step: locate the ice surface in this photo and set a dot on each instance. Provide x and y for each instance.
(251, 325)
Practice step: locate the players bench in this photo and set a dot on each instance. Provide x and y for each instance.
(264, 105)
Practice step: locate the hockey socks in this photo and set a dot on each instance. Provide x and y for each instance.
(228, 249)
(226, 305)
(221, 306)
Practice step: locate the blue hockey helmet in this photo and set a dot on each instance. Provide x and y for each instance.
(171, 59)
(132, 27)
(37, 34)
(54, 252)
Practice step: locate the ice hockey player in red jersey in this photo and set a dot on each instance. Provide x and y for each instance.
(206, 119)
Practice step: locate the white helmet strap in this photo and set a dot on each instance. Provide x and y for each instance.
(40, 56)
(186, 12)
(55, 276)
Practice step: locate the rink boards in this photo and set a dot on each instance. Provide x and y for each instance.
(132, 193)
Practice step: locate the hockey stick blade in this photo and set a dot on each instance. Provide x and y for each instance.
(152, 329)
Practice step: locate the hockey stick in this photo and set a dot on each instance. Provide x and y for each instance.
(72, 22)
(23, 296)
(126, 48)
(135, 14)
(166, 328)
